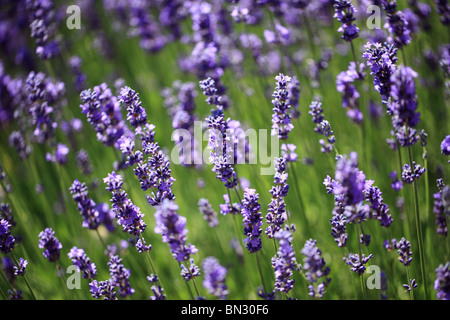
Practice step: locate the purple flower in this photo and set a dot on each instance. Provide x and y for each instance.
(228, 207)
(350, 181)
(442, 282)
(396, 24)
(409, 176)
(411, 286)
(208, 213)
(350, 96)
(51, 245)
(357, 263)
(284, 262)
(136, 114)
(288, 152)
(17, 141)
(158, 291)
(403, 248)
(85, 205)
(382, 59)
(323, 127)
(441, 207)
(191, 271)
(443, 9)
(60, 155)
(252, 220)
(281, 117)
(6, 213)
(445, 146)
(105, 289)
(276, 213)
(344, 13)
(82, 261)
(314, 268)
(172, 228)
(214, 278)
(120, 276)
(19, 270)
(396, 184)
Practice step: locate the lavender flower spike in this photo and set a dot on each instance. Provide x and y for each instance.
(314, 268)
(252, 220)
(51, 245)
(442, 282)
(215, 276)
(281, 117)
(82, 261)
(284, 263)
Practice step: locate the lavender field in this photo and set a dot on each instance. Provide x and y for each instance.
(224, 150)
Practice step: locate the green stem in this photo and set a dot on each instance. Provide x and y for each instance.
(25, 278)
(411, 294)
(260, 273)
(418, 227)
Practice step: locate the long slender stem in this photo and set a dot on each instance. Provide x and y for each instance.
(25, 278)
(418, 227)
(261, 274)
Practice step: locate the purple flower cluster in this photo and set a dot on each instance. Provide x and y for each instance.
(441, 207)
(323, 127)
(215, 277)
(442, 282)
(103, 112)
(445, 146)
(222, 155)
(86, 206)
(128, 215)
(409, 176)
(158, 291)
(172, 228)
(281, 117)
(382, 60)
(7, 241)
(208, 212)
(41, 18)
(80, 78)
(314, 268)
(396, 24)
(403, 248)
(136, 114)
(119, 276)
(357, 263)
(60, 155)
(51, 245)
(276, 213)
(228, 207)
(284, 263)
(105, 289)
(344, 13)
(252, 220)
(350, 95)
(82, 261)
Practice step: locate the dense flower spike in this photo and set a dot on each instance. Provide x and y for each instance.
(344, 13)
(120, 276)
(323, 127)
(357, 263)
(442, 282)
(409, 176)
(51, 245)
(102, 110)
(158, 291)
(445, 146)
(276, 213)
(19, 270)
(128, 215)
(396, 24)
(441, 207)
(7, 241)
(403, 248)
(382, 60)
(105, 289)
(172, 228)
(252, 220)
(81, 260)
(314, 268)
(85, 205)
(215, 277)
(284, 262)
(350, 96)
(136, 114)
(281, 117)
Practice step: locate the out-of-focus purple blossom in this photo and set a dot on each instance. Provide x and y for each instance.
(288, 152)
(228, 207)
(252, 220)
(80, 77)
(379, 210)
(403, 248)
(83, 162)
(172, 228)
(8, 269)
(441, 207)
(208, 213)
(396, 184)
(81, 260)
(314, 268)
(445, 146)
(6, 213)
(51, 245)
(280, 36)
(60, 155)
(17, 141)
(15, 294)
(396, 24)
(350, 95)
(19, 270)
(443, 9)
(442, 282)
(215, 278)
(323, 127)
